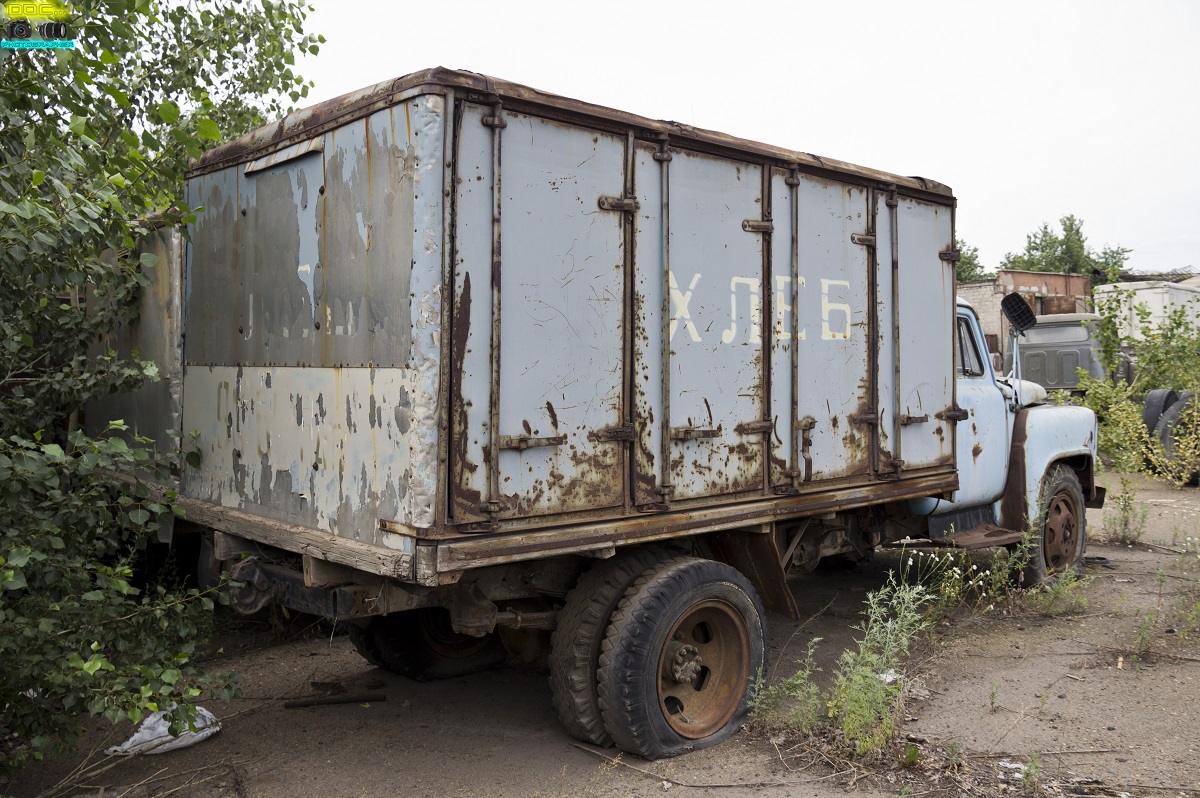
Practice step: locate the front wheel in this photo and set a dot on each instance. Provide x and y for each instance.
(1061, 540)
(676, 667)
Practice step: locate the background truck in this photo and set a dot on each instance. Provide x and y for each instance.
(489, 372)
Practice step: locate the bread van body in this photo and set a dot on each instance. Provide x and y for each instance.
(460, 356)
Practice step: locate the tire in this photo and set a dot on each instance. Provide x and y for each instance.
(1165, 431)
(575, 645)
(364, 644)
(1061, 541)
(1157, 402)
(421, 645)
(681, 654)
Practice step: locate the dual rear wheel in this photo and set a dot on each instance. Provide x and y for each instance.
(663, 659)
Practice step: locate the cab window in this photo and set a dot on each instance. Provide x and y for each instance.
(967, 361)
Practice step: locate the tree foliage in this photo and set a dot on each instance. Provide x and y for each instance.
(1065, 253)
(969, 268)
(93, 142)
(1165, 355)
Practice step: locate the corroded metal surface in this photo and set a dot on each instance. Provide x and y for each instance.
(450, 308)
(153, 409)
(313, 302)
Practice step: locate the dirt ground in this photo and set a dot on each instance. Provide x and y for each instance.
(1106, 698)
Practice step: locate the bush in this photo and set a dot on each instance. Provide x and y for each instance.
(80, 638)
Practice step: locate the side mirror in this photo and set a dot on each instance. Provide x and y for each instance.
(1018, 312)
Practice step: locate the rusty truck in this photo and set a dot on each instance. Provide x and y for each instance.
(485, 372)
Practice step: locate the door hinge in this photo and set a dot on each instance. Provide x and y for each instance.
(754, 427)
(906, 420)
(758, 226)
(624, 433)
(892, 199)
(530, 441)
(693, 433)
(865, 240)
(865, 417)
(953, 256)
(623, 204)
(952, 414)
(497, 119)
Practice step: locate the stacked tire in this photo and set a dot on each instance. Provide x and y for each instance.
(1161, 413)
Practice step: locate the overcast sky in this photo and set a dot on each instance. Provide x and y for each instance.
(1028, 110)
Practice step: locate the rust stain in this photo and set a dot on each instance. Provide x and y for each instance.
(553, 415)
(976, 450)
(465, 499)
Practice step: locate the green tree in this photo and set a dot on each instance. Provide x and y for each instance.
(1065, 253)
(93, 141)
(969, 267)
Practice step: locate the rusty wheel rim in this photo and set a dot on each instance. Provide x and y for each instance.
(1060, 538)
(703, 669)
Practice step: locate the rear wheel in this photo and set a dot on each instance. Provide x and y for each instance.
(575, 645)
(684, 647)
(422, 645)
(1062, 539)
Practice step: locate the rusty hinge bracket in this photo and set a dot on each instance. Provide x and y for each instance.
(793, 178)
(624, 433)
(806, 423)
(497, 119)
(758, 226)
(663, 153)
(865, 417)
(906, 420)
(754, 427)
(953, 256)
(893, 199)
(895, 464)
(491, 507)
(623, 204)
(529, 441)
(861, 238)
(952, 414)
(693, 433)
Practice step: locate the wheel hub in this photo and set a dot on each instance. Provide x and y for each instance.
(685, 664)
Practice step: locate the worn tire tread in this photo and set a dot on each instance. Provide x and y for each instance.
(626, 650)
(575, 644)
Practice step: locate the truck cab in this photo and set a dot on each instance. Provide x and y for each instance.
(1024, 465)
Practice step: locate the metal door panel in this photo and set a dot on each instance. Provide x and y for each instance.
(562, 288)
(471, 319)
(833, 303)
(925, 333)
(716, 326)
(649, 292)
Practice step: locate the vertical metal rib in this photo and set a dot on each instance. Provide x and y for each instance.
(664, 164)
(493, 500)
(794, 182)
(893, 213)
